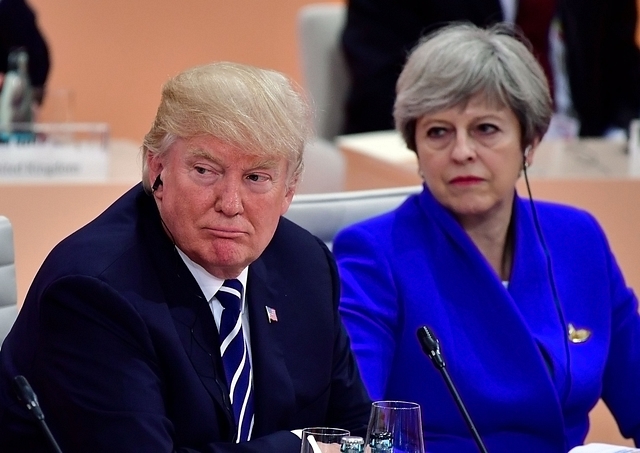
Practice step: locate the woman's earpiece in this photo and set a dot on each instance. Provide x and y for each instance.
(527, 150)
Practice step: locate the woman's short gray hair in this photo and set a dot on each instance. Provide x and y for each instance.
(257, 110)
(456, 62)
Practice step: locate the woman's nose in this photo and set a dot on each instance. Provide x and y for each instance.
(463, 148)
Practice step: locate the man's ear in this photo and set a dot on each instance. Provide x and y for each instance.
(155, 167)
(292, 185)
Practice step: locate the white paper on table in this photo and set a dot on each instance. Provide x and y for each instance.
(603, 448)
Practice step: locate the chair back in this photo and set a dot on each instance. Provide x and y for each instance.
(8, 291)
(324, 215)
(324, 70)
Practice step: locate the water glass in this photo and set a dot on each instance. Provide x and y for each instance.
(322, 439)
(394, 427)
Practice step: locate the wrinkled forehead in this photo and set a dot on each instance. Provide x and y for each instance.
(259, 158)
(223, 152)
(489, 97)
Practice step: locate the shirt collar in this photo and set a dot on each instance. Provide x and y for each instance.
(210, 284)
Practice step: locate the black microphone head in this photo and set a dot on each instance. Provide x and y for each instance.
(428, 340)
(23, 390)
(430, 345)
(26, 395)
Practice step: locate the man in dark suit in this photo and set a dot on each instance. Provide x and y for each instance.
(602, 58)
(125, 333)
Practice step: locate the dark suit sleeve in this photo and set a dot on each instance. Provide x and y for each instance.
(97, 367)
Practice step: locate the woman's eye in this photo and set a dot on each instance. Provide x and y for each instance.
(436, 132)
(487, 128)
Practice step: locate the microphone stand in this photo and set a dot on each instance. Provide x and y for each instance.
(26, 394)
(431, 347)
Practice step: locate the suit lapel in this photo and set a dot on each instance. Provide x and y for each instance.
(482, 308)
(190, 311)
(199, 335)
(532, 289)
(273, 388)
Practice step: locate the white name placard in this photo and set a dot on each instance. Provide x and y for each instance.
(48, 161)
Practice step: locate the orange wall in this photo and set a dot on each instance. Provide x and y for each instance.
(114, 55)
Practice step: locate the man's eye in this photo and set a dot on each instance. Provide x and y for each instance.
(254, 177)
(201, 170)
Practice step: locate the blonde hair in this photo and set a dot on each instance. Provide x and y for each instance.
(257, 110)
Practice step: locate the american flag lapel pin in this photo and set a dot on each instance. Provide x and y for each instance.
(271, 314)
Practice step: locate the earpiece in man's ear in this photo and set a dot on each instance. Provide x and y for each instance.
(157, 183)
(527, 150)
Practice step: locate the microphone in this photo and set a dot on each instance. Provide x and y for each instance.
(26, 395)
(431, 347)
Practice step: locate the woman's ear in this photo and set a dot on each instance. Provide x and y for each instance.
(529, 152)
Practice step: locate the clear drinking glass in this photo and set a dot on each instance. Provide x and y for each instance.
(322, 439)
(394, 427)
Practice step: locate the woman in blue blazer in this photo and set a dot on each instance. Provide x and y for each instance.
(532, 312)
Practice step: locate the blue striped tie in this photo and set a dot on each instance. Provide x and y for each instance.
(235, 358)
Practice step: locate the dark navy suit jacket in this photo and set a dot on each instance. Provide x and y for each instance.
(119, 343)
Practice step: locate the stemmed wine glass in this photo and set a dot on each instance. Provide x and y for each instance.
(394, 427)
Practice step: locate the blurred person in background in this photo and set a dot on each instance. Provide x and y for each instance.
(19, 29)
(587, 49)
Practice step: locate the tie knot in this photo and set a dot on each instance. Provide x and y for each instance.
(230, 294)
